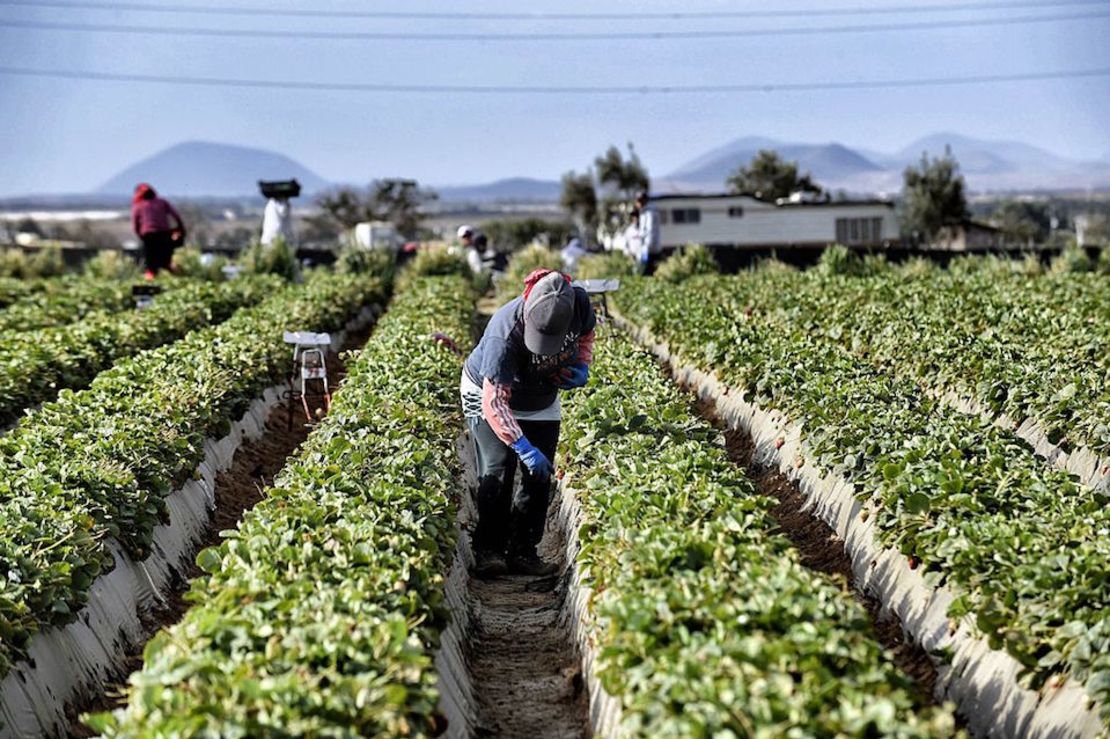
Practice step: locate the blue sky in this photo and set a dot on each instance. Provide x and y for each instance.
(70, 135)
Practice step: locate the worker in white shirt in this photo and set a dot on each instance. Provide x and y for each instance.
(277, 221)
(470, 238)
(649, 233)
(571, 254)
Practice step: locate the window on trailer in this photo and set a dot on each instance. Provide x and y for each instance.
(686, 215)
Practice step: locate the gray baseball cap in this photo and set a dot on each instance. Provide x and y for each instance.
(548, 310)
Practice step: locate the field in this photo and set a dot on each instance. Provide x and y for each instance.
(851, 502)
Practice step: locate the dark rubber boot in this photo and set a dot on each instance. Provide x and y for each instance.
(488, 565)
(527, 562)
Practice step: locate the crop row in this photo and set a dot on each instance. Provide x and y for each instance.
(1022, 548)
(12, 289)
(321, 612)
(705, 621)
(59, 301)
(95, 465)
(1034, 347)
(35, 365)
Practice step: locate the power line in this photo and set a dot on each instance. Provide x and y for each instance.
(545, 16)
(554, 89)
(542, 36)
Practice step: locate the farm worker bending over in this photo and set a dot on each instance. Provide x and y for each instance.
(534, 346)
(277, 221)
(150, 220)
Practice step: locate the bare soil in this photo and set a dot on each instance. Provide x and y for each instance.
(524, 664)
(238, 489)
(821, 549)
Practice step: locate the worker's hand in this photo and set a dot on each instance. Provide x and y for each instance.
(538, 464)
(574, 376)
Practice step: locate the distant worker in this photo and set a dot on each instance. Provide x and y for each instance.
(277, 221)
(649, 233)
(150, 220)
(633, 243)
(535, 345)
(571, 254)
(469, 238)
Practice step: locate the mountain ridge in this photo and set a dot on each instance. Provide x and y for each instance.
(209, 168)
(198, 169)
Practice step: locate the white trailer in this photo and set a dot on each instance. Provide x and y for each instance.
(747, 222)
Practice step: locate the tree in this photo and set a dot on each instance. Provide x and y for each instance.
(770, 177)
(401, 202)
(509, 235)
(603, 194)
(1023, 222)
(579, 199)
(933, 196)
(626, 177)
(398, 201)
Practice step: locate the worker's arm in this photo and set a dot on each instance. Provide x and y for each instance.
(496, 411)
(586, 348)
(176, 216)
(135, 219)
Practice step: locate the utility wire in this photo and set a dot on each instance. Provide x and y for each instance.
(542, 36)
(546, 16)
(555, 89)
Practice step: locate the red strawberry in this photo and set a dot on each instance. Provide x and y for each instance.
(779, 442)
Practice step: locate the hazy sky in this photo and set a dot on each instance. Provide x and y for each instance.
(71, 135)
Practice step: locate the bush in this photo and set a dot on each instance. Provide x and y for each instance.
(276, 258)
(111, 265)
(46, 262)
(436, 260)
(771, 265)
(609, 264)
(13, 263)
(690, 260)
(1103, 265)
(357, 260)
(1071, 259)
(192, 262)
(508, 235)
(523, 263)
(839, 260)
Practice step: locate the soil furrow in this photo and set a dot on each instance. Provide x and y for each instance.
(821, 549)
(524, 664)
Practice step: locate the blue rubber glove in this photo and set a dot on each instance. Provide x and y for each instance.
(533, 458)
(574, 376)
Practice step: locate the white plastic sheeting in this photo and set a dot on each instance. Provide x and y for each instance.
(456, 693)
(605, 710)
(70, 663)
(1083, 462)
(981, 681)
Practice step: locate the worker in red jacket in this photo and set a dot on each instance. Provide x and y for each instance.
(150, 220)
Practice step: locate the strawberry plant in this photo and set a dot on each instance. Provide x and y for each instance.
(704, 620)
(96, 465)
(35, 365)
(64, 300)
(320, 614)
(1022, 546)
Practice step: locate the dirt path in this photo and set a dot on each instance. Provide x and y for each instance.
(524, 664)
(238, 489)
(821, 549)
